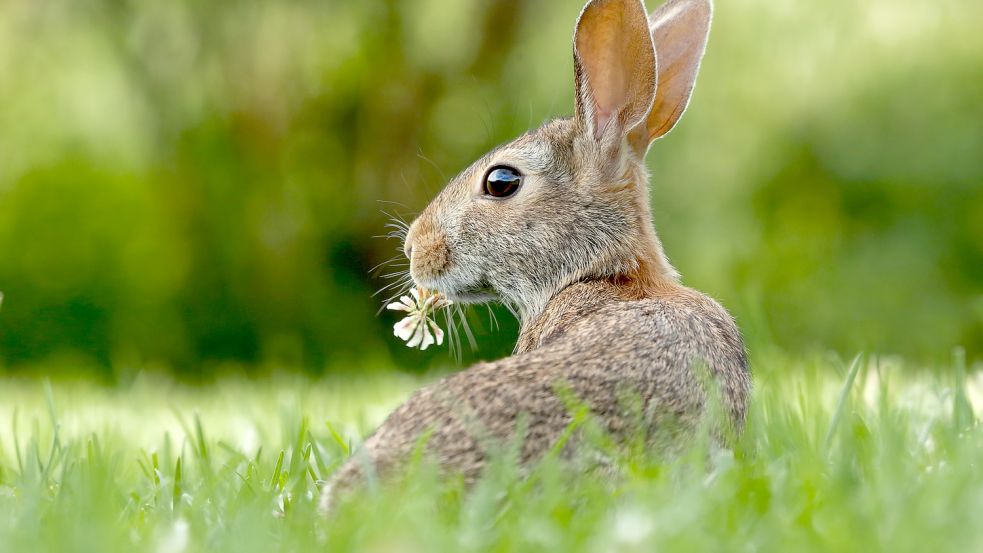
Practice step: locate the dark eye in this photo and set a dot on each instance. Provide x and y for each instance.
(502, 182)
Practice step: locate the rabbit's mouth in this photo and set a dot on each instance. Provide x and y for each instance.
(457, 287)
(480, 294)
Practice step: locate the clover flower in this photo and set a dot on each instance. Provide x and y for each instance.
(417, 328)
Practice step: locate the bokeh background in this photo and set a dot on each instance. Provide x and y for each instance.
(196, 187)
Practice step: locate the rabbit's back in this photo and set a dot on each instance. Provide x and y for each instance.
(662, 347)
(606, 353)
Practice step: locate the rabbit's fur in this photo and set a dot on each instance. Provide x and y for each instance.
(575, 253)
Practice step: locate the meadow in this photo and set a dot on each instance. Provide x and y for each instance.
(868, 454)
(189, 341)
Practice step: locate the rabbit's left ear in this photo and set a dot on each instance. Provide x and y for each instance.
(614, 63)
(679, 31)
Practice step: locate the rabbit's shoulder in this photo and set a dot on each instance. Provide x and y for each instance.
(598, 314)
(685, 323)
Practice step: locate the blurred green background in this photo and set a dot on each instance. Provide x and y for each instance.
(194, 186)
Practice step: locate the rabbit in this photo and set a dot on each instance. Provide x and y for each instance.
(557, 225)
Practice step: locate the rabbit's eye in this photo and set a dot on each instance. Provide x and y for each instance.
(502, 182)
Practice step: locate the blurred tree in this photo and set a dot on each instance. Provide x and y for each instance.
(186, 184)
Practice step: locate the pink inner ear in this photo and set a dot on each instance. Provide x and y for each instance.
(603, 116)
(615, 50)
(679, 29)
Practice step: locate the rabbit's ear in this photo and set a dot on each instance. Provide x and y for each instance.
(679, 29)
(614, 63)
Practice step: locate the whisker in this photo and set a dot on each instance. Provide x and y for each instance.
(492, 319)
(511, 308)
(399, 273)
(453, 336)
(401, 291)
(467, 328)
(397, 224)
(396, 219)
(431, 162)
(397, 204)
(399, 262)
(392, 261)
(390, 286)
(393, 215)
(397, 231)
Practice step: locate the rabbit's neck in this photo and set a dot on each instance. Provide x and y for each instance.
(637, 270)
(580, 299)
(571, 303)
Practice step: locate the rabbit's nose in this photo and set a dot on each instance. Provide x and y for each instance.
(408, 241)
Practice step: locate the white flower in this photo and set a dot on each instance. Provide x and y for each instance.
(418, 329)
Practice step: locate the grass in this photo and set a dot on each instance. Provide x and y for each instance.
(863, 456)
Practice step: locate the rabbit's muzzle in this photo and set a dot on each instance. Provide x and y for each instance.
(427, 250)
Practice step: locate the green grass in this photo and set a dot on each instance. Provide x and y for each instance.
(882, 457)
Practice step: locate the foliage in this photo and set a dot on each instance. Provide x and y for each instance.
(188, 184)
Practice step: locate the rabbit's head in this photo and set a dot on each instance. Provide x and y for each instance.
(569, 201)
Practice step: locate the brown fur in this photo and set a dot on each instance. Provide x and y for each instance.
(430, 247)
(575, 252)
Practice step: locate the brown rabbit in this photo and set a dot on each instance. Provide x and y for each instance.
(557, 225)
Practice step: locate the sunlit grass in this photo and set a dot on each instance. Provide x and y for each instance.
(861, 456)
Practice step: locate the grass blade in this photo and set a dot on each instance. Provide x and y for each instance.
(841, 402)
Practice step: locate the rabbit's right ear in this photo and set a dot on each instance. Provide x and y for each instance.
(614, 64)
